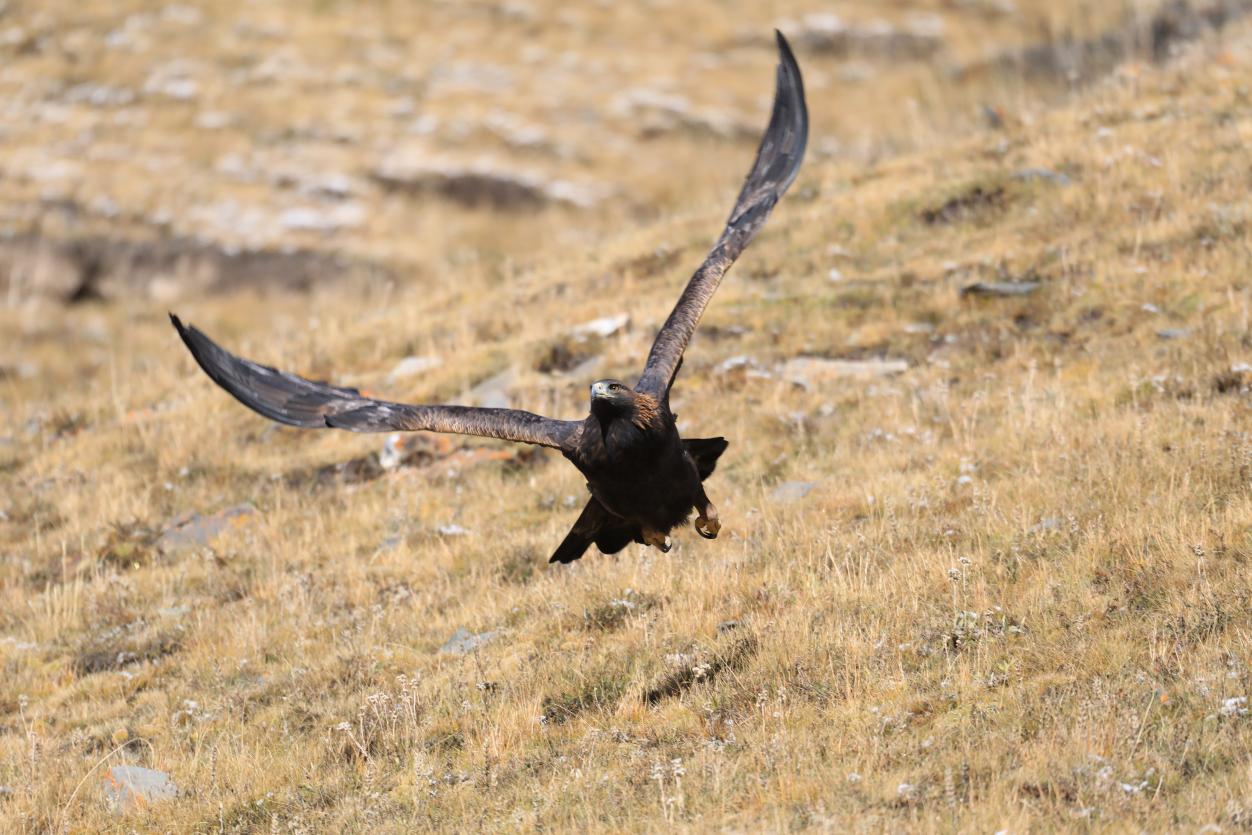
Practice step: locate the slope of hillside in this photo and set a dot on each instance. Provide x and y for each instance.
(987, 518)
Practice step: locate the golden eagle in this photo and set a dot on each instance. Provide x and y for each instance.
(643, 478)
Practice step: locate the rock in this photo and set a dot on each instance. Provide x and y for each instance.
(412, 366)
(584, 369)
(99, 95)
(515, 132)
(1234, 706)
(791, 491)
(1027, 175)
(452, 529)
(464, 642)
(974, 201)
(392, 453)
(175, 80)
(116, 267)
(804, 370)
(732, 364)
(482, 182)
(195, 531)
(130, 788)
(1048, 523)
(656, 112)
(1173, 333)
(603, 327)
(1237, 380)
(493, 392)
(1000, 288)
(331, 219)
(921, 36)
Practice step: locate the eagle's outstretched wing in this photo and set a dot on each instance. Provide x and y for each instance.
(777, 163)
(296, 401)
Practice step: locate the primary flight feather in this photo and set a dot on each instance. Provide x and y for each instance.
(644, 479)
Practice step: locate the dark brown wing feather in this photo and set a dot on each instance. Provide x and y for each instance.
(296, 401)
(777, 163)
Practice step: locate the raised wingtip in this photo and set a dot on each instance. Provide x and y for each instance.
(784, 48)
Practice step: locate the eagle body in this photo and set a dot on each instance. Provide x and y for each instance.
(642, 475)
(644, 478)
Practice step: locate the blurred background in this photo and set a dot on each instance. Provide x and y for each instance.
(154, 151)
(987, 376)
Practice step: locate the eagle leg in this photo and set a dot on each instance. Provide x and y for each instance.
(707, 524)
(658, 540)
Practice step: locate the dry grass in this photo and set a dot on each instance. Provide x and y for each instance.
(1016, 599)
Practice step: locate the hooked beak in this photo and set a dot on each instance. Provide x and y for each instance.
(599, 389)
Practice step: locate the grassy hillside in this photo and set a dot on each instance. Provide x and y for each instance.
(1004, 588)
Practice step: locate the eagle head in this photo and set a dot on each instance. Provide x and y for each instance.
(612, 399)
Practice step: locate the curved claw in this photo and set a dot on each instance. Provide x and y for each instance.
(656, 539)
(708, 528)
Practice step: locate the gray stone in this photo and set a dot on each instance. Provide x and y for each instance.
(392, 453)
(315, 219)
(1049, 523)
(584, 369)
(493, 392)
(1027, 175)
(920, 36)
(732, 364)
(791, 491)
(804, 370)
(481, 182)
(1173, 333)
(195, 531)
(603, 327)
(412, 366)
(131, 787)
(464, 642)
(1000, 288)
